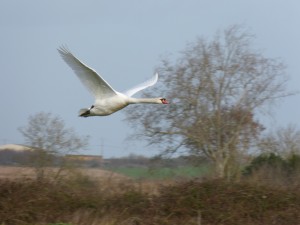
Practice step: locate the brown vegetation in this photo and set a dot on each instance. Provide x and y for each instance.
(82, 201)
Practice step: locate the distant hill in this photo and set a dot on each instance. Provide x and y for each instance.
(14, 147)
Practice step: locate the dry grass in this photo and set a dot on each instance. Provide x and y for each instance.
(13, 172)
(110, 199)
(189, 202)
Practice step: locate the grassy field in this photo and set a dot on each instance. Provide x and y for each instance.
(11, 172)
(163, 173)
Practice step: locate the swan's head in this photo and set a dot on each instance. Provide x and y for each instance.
(164, 101)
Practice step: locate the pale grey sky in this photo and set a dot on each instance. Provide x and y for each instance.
(124, 41)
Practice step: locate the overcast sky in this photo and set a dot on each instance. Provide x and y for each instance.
(124, 41)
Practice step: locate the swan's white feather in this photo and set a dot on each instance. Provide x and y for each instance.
(94, 83)
(142, 86)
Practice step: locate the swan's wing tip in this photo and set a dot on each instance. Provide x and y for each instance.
(156, 76)
(146, 84)
(63, 49)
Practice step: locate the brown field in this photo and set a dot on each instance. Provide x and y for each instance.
(104, 179)
(14, 172)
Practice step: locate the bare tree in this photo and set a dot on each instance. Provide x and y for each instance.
(284, 141)
(49, 137)
(215, 89)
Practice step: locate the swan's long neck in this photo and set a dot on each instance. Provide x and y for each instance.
(144, 100)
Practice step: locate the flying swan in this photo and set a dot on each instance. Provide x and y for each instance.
(107, 100)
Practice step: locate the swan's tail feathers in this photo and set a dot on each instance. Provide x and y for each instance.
(84, 112)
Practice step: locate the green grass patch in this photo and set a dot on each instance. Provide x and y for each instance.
(163, 173)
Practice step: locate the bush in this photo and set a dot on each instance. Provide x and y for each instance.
(221, 202)
(273, 170)
(191, 202)
(266, 161)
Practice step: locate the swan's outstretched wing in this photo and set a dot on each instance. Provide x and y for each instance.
(95, 84)
(142, 86)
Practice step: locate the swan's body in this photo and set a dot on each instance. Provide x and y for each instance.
(107, 100)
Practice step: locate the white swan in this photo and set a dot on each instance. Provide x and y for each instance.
(107, 100)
